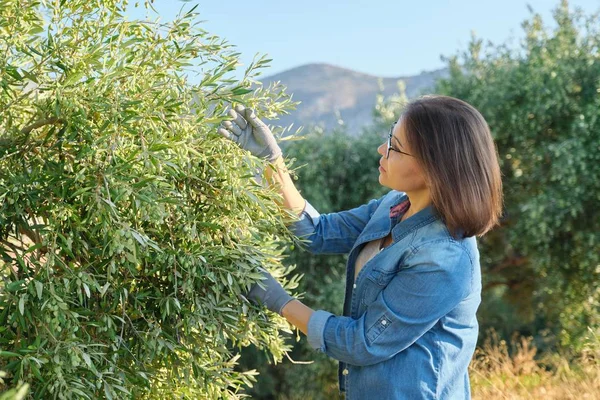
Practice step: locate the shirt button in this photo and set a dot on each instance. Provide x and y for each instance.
(354, 286)
(383, 322)
(345, 372)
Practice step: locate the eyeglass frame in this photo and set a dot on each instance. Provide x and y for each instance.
(389, 145)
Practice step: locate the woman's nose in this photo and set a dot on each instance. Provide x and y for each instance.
(381, 149)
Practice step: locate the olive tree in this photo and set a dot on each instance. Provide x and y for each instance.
(129, 230)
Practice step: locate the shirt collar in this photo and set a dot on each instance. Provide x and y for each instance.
(401, 229)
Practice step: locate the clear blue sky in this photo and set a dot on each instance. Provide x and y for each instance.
(379, 37)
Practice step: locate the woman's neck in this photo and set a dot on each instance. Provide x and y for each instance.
(418, 201)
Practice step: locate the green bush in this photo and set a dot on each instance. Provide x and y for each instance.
(542, 104)
(128, 227)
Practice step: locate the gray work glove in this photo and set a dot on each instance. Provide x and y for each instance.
(273, 296)
(250, 133)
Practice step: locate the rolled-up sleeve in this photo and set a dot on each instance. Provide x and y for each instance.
(305, 225)
(333, 233)
(316, 327)
(411, 304)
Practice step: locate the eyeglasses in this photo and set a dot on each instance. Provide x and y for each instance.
(389, 145)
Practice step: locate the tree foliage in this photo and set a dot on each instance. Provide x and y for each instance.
(542, 103)
(128, 227)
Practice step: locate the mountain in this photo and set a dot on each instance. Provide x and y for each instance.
(327, 92)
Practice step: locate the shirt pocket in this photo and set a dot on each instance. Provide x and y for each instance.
(374, 283)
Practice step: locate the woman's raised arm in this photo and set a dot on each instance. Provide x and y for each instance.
(252, 134)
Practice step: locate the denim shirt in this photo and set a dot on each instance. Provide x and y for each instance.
(408, 330)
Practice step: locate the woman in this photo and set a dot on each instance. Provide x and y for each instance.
(413, 283)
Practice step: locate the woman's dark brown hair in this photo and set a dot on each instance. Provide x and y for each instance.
(452, 142)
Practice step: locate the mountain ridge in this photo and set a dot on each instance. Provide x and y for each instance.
(329, 93)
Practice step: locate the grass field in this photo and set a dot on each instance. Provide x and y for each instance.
(498, 372)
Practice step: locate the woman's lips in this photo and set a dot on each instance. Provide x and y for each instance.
(381, 168)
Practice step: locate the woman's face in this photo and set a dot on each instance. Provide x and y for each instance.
(400, 171)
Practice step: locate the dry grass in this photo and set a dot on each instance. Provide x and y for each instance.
(498, 372)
